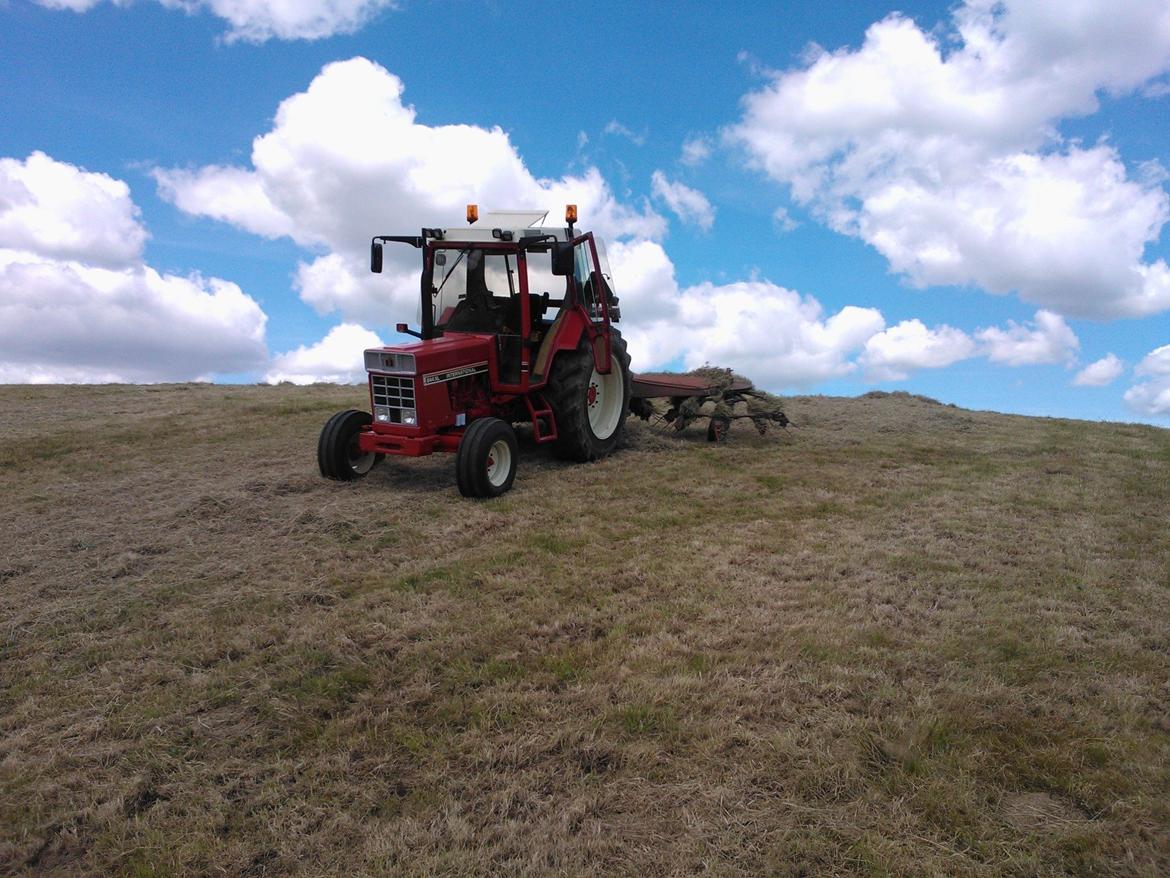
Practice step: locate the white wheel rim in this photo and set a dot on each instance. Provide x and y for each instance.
(604, 398)
(358, 462)
(499, 463)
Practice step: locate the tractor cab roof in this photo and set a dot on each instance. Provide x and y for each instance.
(495, 225)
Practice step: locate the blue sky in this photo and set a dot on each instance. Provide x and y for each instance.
(965, 201)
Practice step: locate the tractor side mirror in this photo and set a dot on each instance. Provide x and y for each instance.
(376, 257)
(562, 258)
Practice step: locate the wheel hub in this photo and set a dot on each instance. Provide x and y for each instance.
(499, 462)
(604, 398)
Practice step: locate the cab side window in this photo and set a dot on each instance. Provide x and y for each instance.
(584, 277)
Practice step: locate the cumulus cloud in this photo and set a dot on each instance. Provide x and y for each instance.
(1047, 339)
(1100, 372)
(335, 359)
(947, 161)
(346, 159)
(1152, 396)
(689, 205)
(77, 303)
(256, 21)
(779, 337)
(62, 212)
(891, 355)
(695, 151)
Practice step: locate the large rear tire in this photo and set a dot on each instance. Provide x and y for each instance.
(338, 455)
(485, 464)
(590, 408)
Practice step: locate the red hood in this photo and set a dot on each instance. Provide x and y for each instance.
(448, 351)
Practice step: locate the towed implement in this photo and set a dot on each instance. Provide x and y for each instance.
(517, 326)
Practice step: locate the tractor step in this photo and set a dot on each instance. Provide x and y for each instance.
(544, 425)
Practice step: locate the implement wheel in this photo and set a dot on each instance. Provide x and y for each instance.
(485, 464)
(590, 408)
(338, 455)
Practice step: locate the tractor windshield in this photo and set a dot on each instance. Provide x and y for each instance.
(476, 290)
(473, 289)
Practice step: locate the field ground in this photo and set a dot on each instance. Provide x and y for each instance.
(902, 639)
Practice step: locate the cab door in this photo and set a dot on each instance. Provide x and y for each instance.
(591, 295)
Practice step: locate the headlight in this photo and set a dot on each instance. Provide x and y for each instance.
(382, 414)
(409, 417)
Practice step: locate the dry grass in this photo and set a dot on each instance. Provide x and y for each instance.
(904, 639)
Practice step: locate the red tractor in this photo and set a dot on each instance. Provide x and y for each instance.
(516, 327)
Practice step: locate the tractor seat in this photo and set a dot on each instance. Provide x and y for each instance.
(540, 364)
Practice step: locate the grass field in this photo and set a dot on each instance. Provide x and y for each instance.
(901, 639)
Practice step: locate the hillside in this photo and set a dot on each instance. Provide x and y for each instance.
(902, 638)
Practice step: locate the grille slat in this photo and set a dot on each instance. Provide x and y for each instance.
(394, 393)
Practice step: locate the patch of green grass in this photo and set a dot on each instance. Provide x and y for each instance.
(567, 667)
(145, 864)
(469, 673)
(321, 680)
(554, 544)
(653, 720)
(823, 509)
(1010, 649)
(700, 664)
(444, 575)
(877, 638)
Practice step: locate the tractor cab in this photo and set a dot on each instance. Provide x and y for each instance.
(508, 277)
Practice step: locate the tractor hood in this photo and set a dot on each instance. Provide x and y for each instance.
(436, 359)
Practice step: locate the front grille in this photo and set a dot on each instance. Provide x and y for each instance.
(392, 394)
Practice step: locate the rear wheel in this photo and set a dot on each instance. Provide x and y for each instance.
(338, 454)
(590, 408)
(485, 464)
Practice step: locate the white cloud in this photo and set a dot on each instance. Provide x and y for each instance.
(695, 151)
(256, 21)
(346, 159)
(1046, 340)
(1152, 397)
(892, 354)
(77, 304)
(616, 127)
(335, 359)
(1100, 373)
(230, 195)
(780, 338)
(63, 212)
(689, 205)
(947, 162)
(783, 220)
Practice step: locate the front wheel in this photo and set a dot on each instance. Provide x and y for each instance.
(485, 464)
(338, 454)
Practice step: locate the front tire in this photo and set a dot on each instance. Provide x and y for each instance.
(590, 408)
(338, 454)
(485, 464)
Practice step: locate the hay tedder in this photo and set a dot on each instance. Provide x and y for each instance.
(517, 326)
